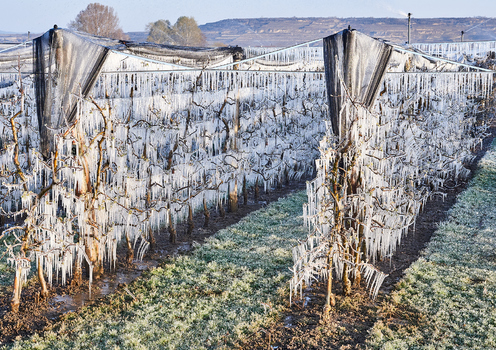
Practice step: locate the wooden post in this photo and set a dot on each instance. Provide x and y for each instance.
(245, 191)
(191, 224)
(206, 213)
(233, 197)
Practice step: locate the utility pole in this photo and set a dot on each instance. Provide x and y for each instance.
(409, 22)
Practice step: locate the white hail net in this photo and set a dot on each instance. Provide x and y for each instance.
(145, 147)
(419, 134)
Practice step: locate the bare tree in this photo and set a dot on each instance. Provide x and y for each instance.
(161, 32)
(184, 32)
(98, 19)
(188, 32)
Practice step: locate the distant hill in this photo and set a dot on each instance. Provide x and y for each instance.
(138, 36)
(16, 38)
(289, 31)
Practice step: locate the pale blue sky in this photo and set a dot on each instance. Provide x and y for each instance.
(38, 16)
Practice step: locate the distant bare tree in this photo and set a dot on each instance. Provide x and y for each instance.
(188, 32)
(184, 32)
(98, 19)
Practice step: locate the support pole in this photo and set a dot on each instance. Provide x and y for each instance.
(409, 26)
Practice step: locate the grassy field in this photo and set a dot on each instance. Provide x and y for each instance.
(212, 298)
(447, 299)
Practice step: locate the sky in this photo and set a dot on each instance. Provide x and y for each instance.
(38, 16)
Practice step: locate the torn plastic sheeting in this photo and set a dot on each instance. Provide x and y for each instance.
(66, 66)
(355, 65)
(189, 56)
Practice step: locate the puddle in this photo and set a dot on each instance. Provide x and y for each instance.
(307, 301)
(107, 284)
(62, 304)
(288, 321)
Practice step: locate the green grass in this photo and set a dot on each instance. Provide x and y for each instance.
(210, 299)
(451, 289)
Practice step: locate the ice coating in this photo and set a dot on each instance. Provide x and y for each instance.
(463, 52)
(152, 134)
(147, 139)
(379, 163)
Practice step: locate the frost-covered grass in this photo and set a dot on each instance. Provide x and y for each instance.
(450, 292)
(220, 293)
(6, 271)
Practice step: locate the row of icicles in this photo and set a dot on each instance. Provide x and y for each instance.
(372, 183)
(147, 149)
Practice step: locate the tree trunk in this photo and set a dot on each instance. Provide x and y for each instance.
(152, 240)
(191, 224)
(358, 258)
(330, 300)
(91, 249)
(257, 191)
(172, 230)
(41, 278)
(245, 191)
(16, 298)
(233, 198)
(346, 281)
(130, 250)
(206, 213)
(77, 278)
(222, 212)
